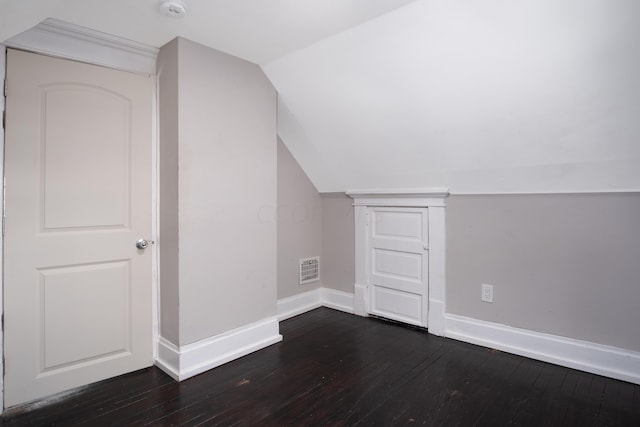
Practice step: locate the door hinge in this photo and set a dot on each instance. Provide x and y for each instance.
(6, 87)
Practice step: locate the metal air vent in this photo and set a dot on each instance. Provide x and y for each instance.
(309, 270)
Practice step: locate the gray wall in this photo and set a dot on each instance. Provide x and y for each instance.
(168, 184)
(311, 224)
(338, 242)
(567, 265)
(563, 264)
(226, 162)
(299, 224)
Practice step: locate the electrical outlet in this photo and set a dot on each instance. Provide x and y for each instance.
(487, 293)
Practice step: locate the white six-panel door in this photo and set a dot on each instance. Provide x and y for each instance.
(78, 197)
(398, 263)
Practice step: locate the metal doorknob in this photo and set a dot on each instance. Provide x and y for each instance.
(142, 244)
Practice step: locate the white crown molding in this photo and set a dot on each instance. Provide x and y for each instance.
(192, 359)
(396, 192)
(419, 197)
(61, 39)
(586, 356)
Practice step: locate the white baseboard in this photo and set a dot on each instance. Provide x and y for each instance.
(307, 301)
(582, 355)
(298, 304)
(360, 300)
(192, 359)
(337, 300)
(436, 324)
(586, 356)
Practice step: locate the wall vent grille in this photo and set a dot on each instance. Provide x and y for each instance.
(309, 270)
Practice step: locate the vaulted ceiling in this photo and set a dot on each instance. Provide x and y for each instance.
(255, 30)
(478, 96)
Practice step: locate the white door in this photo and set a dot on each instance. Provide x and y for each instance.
(398, 264)
(78, 197)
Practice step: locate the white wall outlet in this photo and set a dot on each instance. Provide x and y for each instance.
(487, 293)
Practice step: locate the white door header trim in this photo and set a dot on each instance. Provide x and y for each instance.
(61, 39)
(418, 197)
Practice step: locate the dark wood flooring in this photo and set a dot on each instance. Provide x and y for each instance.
(338, 369)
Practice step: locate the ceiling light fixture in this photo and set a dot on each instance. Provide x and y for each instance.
(173, 8)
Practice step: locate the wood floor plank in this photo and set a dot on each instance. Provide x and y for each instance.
(90, 401)
(543, 393)
(342, 370)
(617, 404)
(208, 390)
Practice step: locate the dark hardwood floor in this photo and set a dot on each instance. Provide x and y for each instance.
(338, 369)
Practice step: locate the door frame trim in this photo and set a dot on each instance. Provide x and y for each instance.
(434, 200)
(67, 41)
(3, 68)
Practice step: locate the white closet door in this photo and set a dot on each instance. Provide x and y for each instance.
(398, 264)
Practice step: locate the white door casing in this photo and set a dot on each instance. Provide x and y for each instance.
(433, 199)
(397, 251)
(78, 196)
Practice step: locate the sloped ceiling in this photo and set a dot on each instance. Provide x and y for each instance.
(477, 96)
(255, 30)
(474, 95)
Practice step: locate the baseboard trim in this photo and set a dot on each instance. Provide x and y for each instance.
(298, 304)
(360, 300)
(436, 324)
(586, 356)
(337, 300)
(192, 359)
(310, 300)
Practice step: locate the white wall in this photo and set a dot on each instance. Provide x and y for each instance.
(484, 96)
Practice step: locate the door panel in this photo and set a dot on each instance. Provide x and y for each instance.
(398, 264)
(78, 196)
(103, 292)
(398, 305)
(398, 225)
(102, 145)
(399, 270)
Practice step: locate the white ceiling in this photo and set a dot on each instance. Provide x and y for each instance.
(255, 30)
(477, 96)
